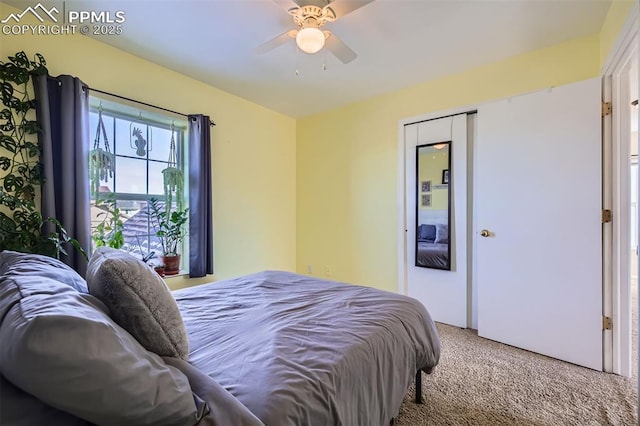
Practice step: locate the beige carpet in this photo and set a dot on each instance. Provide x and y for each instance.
(482, 382)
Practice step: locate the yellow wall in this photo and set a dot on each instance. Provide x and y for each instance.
(615, 20)
(322, 194)
(254, 160)
(347, 159)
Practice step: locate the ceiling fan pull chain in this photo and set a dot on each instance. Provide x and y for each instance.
(297, 71)
(324, 61)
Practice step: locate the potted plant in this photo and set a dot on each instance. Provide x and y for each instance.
(109, 231)
(159, 269)
(21, 175)
(170, 230)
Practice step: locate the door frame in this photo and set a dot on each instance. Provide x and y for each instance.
(616, 175)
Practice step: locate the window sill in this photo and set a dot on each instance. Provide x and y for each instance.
(182, 280)
(179, 274)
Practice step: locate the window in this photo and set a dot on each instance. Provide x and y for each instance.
(139, 143)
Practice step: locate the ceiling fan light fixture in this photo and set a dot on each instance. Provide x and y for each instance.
(310, 39)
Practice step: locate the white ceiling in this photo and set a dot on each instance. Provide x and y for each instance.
(399, 43)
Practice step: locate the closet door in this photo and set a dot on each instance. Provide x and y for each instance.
(538, 189)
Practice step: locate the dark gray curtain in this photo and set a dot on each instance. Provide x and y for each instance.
(200, 197)
(62, 109)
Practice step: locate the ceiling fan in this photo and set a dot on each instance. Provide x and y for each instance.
(309, 16)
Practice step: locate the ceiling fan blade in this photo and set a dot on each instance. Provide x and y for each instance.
(275, 42)
(344, 7)
(339, 49)
(286, 4)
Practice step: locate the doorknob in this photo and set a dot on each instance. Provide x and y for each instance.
(485, 233)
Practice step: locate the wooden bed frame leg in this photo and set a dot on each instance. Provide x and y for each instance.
(419, 387)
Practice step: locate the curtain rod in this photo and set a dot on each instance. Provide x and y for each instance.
(142, 103)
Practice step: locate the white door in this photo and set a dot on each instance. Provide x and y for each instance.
(538, 193)
(443, 292)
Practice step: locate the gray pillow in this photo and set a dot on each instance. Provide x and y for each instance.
(139, 301)
(442, 234)
(39, 266)
(427, 232)
(60, 346)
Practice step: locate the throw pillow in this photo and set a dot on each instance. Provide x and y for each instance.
(427, 232)
(442, 234)
(139, 301)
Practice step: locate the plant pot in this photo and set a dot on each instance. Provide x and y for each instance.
(159, 270)
(171, 264)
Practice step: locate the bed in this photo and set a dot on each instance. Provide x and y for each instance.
(273, 348)
(298, 350)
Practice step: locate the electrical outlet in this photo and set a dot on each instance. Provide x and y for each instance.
(327, 270)
(309, 269)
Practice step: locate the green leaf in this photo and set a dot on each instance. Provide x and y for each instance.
(39, 65)
(23, 106)
(33, 150)
(5, 114)
(37, 177)
(40, 59)
(8, 143)
(20, 59)
(28, 192)
(6, 223)
(10, 183)
(5, 163)
(13, 103)
(7, 91)
(29, 127)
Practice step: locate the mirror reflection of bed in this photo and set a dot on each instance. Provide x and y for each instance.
(433, 206)
(433, 252)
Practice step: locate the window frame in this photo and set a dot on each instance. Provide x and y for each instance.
(110, 116)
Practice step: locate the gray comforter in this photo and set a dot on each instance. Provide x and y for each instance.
(297, 350)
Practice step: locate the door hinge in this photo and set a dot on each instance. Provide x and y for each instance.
(607, 216)
(606, 108)
(607, 323)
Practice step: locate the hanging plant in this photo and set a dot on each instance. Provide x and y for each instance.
(101, 168)
(21, 173)
(173, 180)
(102, 162)
(173, 177)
